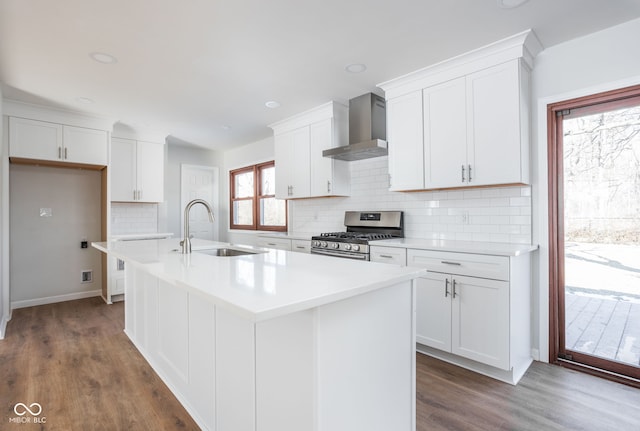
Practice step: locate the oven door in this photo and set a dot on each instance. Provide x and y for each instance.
(341, 253)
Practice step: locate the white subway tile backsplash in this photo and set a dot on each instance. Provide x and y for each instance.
(133, 218)
(488, 214)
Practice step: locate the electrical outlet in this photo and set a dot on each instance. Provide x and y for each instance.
(84, 244)
(465, 217)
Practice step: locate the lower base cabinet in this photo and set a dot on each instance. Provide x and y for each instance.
(474, 311)
(308, 370)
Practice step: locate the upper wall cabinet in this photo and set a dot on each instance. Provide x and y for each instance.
(301, 171)
(57, 143)
(464, 122)
(137, 171)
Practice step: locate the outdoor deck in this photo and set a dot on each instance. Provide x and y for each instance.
(603, 326)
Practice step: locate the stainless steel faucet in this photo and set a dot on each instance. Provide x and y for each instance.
(186, 241)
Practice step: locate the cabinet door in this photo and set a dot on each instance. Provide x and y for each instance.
(445, 134)
(277, 243)
(150, 172)
(493, 108)
(123, 170)
(480, 320)
(301, 177)
(32, 139)
(283, 153)
(292, 164)
(433, 311)
(405, 137)
(86, 146)
(328, 176)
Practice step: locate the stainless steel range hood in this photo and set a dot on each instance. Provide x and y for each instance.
(367, 130)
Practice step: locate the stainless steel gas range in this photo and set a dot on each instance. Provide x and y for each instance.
(362, 227)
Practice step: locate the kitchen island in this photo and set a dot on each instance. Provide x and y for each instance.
(274, 340)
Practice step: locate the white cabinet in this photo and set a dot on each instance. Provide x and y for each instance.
(463, 122)
(405, 138)
(394, 255)
(498, 125)
(445, 134)
(58, 143)
(299, 245)
(137, 171)
(474, 310)
(277, 243)
(292, 164)
(301, 171)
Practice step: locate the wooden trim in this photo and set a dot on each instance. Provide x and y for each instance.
(601, 102)
(68, 165)
(257, 182)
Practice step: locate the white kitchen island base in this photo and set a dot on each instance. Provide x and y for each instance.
(347, 365)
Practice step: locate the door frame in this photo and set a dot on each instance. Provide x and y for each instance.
(582, 362)
(215, 172)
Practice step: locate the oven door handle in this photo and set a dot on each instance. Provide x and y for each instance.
(359, 256)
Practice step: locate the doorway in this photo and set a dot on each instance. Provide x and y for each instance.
(594, 225)
(200, 182)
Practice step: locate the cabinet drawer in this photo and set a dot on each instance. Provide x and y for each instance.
(395, 255)
(278, 243)
(301, 245)
(474, 265)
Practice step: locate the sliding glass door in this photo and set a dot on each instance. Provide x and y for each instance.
(595, 228)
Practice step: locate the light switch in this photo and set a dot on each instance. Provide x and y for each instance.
(45, 212)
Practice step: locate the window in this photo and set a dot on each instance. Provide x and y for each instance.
(253, 202)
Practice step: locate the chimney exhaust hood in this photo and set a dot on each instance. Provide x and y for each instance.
(367, 130)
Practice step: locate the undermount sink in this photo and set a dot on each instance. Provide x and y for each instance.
(226, 252)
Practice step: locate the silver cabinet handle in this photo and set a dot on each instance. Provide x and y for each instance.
(328, 186)
(447, 262)
(300, 247)
(462, 173)
(454, 288)
(134, 195)
(446, 287)
(66, 154)
(59, 152)
(271, 244)
(386, 256)
(469, 175)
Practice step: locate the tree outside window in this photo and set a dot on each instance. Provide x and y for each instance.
(253, 202)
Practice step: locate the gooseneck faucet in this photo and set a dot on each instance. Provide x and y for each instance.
(186, 241)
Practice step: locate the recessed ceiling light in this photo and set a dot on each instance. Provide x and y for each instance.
(272, 104)
(103, 58)
(510, 4)
(356, 68)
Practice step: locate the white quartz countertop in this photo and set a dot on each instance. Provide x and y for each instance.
(260, 286)
(137, 236)
(290, 235)
(489, 248)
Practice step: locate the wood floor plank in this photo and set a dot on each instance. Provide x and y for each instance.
(74, 359)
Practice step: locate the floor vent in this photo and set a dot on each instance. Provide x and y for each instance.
(87, 276)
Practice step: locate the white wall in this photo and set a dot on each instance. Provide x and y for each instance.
(598, 62)
(5, 309)
(46, 257)
(170, 211)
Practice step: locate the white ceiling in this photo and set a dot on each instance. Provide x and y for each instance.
(202, 70)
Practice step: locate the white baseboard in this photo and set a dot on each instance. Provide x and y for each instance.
(535, 354)
(54, 299)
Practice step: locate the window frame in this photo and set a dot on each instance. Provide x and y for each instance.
(255, 199)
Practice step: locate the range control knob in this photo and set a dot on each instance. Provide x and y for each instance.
(347, 246)
(323, 244)
(355, 247)
(335, 245)
(316, 243)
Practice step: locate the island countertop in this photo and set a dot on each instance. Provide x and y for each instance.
(261, 286)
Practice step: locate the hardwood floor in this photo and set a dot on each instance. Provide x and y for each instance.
(74, 360)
